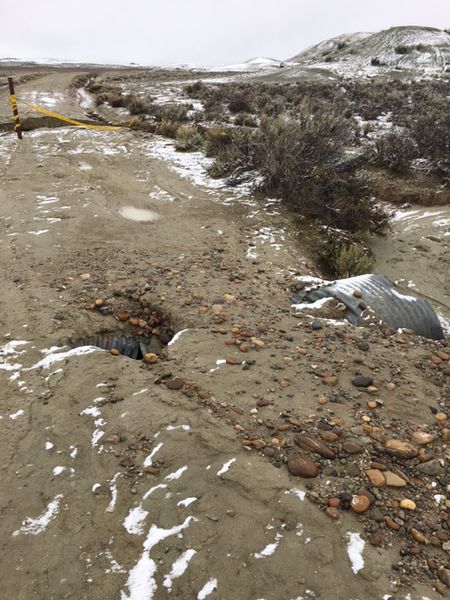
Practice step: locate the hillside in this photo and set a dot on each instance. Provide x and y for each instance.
(419, 49)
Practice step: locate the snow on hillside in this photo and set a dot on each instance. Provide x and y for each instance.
(420, 49)
(254, 64)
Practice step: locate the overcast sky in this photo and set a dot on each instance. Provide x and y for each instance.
(202, 32)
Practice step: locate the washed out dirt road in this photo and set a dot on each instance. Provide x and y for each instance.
(134, 481)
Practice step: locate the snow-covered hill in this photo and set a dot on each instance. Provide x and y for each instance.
(260, 63)
(423, 50)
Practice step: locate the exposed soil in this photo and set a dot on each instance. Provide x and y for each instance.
(113, 468)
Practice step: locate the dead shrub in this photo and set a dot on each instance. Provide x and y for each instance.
(395, 151)
(168, 129)
(188, 138)
(216, 138)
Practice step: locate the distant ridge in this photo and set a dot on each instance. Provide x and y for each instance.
(409, 48)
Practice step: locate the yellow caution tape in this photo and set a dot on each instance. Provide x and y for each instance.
(72, 121)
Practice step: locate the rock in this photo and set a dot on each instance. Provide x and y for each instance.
(446, 435)
(332, 512)
(390, 386)
(440, 416)
(421, 438)
(400, 449)
(432, 467)
(329, 436)
(440, 587)
(330, 380)
(418, 536)
(151, 358)
(352, 447)
(376, 539)
(174, 384)
(364, 346)
(353, 470)
(114, 352)
(359, 504)
(391, 523)
(407, 504)
(122, 316)
(376, 477)
(393, 480)
(316, 446)
(335, 502)
(362, 381)
(111, 438)
(444, 575)
(302, 468)
(85, 276)
(262, 402)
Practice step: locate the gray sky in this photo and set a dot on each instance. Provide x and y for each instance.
(202, 32)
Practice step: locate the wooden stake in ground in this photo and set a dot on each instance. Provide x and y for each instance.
(12, 99)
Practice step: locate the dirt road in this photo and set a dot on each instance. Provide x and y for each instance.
(116, 484)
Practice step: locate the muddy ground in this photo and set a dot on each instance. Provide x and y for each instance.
(122, 479)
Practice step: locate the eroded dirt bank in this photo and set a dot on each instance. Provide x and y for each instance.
(129, 480)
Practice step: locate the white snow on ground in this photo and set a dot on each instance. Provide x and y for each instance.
(149, 459)
(355, 549)
(299, 493)
(225, 467)
(113, 488)
(52, 357)
(177, 474)
(270, 548)
(177, 336)
(34, 526)
(187, 502)
(141, 582)
(14, 416)
(207, 589)
(178, 568)
(175, 427)
(193, 166)
(135, 520)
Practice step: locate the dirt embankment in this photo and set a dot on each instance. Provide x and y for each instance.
(235, 466)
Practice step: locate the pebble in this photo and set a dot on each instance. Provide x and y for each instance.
(335, 502)
(390, 386)
(400, 449)
(352, 447)
(376, 477)
(440, 587)
(362, 381)
(444, 576)
(115, 352)
(418, 536)
(393, 480)
(174, 384)
(407, 504)
(302, 467)
(316, 446)
(441, 416)
(329, 436)
(421, 438)
(432, 467)
(391, 523)
(359, 504)
(150, 358)
(332, 512)
(262, 402)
